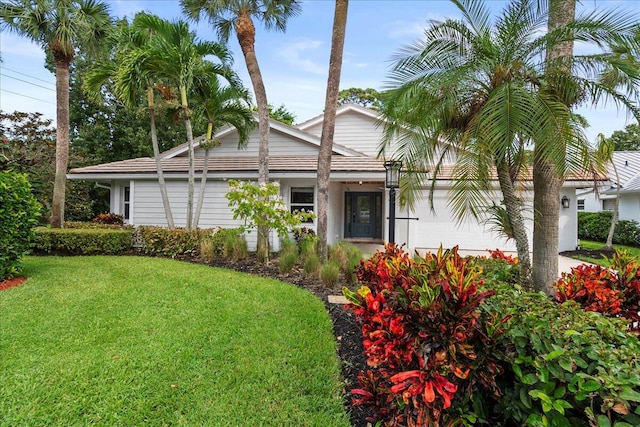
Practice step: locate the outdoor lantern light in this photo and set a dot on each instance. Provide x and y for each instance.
(392, 181)
(565, 202)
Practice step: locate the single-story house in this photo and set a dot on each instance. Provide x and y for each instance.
(359, 200)
(627, 164)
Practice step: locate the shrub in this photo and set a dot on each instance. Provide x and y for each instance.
(431, 352)
(348, 257)
(613, 291)
(108, 218)
(299, 234)
(286, 262)
(229, 243)
(311, 264)
(81, 224)
(329, 274)
(79, 241)
(595, 226)
(565, 366)
(160, 241)
(308, 246)
(19, 213)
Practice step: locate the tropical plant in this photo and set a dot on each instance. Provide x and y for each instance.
(221, 105)
(329, 121)
(604, 156)
(60, 28)
(237, 15)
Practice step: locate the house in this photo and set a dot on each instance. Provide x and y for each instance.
(627, 164)
(359, 201)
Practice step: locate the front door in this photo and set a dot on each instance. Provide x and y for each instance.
(363, 215)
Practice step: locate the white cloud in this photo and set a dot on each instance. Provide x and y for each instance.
(296, 54)
(12, 44)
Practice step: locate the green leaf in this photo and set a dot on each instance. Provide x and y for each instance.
(590, 385)
(629, 394)
(529, 379)
(603, 421)
(554, 354)
(566, 364)
(560, 392)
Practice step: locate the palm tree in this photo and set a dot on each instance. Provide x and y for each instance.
(221, 105)
(604, 156)
(59, 27)
(130, 85)
(329, 120)
(238, 15)
(174, 57)
(574, 80)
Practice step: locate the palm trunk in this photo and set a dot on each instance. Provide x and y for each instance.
(62, 144)
(546, 179)
(246, 32)
(616, 211)
(156, 155)
(203, 180)
(329, 121)
(514, 207)
(191, 179)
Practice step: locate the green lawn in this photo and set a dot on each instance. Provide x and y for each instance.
(141, 341)
(588, 244)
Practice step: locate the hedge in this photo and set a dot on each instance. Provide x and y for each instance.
(82, 241)
(595, 226)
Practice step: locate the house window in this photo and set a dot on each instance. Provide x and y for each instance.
(126, 202)
(303, 199)
(581, 205)
(608, 204)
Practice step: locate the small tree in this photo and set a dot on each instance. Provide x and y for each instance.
(262, 207)
(18, 215)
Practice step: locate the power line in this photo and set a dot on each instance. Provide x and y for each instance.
(28, 82)
(27, 75)
(27, 96)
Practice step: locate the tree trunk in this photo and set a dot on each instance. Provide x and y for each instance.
(191, 173)
(546, 178)
(246, 32)
(329, 121)
(62, 144)
(203, 180)
(514, 207)
(156, 155)
(616, 211)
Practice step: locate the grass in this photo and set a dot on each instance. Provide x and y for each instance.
(155, 342)
(591, 245)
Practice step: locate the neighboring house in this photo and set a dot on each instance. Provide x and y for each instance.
(628, 165)
(358, 198)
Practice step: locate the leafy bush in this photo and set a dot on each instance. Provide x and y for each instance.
(431, 352)
(311, 264)
(19, 213)
(329, 274)
(308, 246)
(565, 366)
(613, 291)
(79, 241)
(595, 226)
(230, 243)
(160, 241)
(87, 224)
(348, 257)
(299, 234)
(288, 256)
(108, 218)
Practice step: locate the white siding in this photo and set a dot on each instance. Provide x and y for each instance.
(630, 207)
(279, 145)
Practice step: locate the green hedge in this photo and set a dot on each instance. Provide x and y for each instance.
(595, 226)
(82, 241)
(19, 211)
(160, 241)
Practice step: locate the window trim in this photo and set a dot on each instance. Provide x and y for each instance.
(298, 206)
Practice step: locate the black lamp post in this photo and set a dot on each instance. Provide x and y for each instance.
(392, 181)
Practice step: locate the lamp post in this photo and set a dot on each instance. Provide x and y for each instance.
(392, 181)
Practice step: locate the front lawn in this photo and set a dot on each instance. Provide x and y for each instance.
(589, 245)
(146, 341)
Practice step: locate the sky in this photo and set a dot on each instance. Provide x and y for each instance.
(294, 64)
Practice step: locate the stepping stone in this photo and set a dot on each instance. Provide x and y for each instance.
(337, 299)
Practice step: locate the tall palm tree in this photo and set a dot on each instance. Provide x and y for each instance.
(221, 105)
(130, 86)
(329, 120)
(575, 79)
(479, 93)
(174, 56)
(237, 15)
(59, 27)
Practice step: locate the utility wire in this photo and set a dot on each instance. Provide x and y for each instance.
(27, 75)
(27, 96)
(28, 82)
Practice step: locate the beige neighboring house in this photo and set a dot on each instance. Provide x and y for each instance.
(358, 199)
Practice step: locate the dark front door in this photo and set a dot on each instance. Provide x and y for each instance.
(363, 215)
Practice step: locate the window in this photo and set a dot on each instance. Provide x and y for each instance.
(126, 202)
(608, 204)
(303, 198)
(581, 205)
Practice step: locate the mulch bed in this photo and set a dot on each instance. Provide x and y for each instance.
(10, 283)
(590, 253)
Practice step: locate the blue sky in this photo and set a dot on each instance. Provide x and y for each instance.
(294, 64)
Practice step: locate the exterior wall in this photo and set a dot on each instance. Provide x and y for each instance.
(592, 203)
(568, 222)
(630, 207)
(279, 145)
(355, 131)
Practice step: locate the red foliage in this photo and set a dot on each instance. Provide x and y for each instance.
(498, 254)
(108, 218)
(425, 339)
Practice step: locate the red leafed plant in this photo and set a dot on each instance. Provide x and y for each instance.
(428, 346)
(612, 291)
(498, 254)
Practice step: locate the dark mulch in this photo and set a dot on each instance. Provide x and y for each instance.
(345, 326)
(590, 253)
